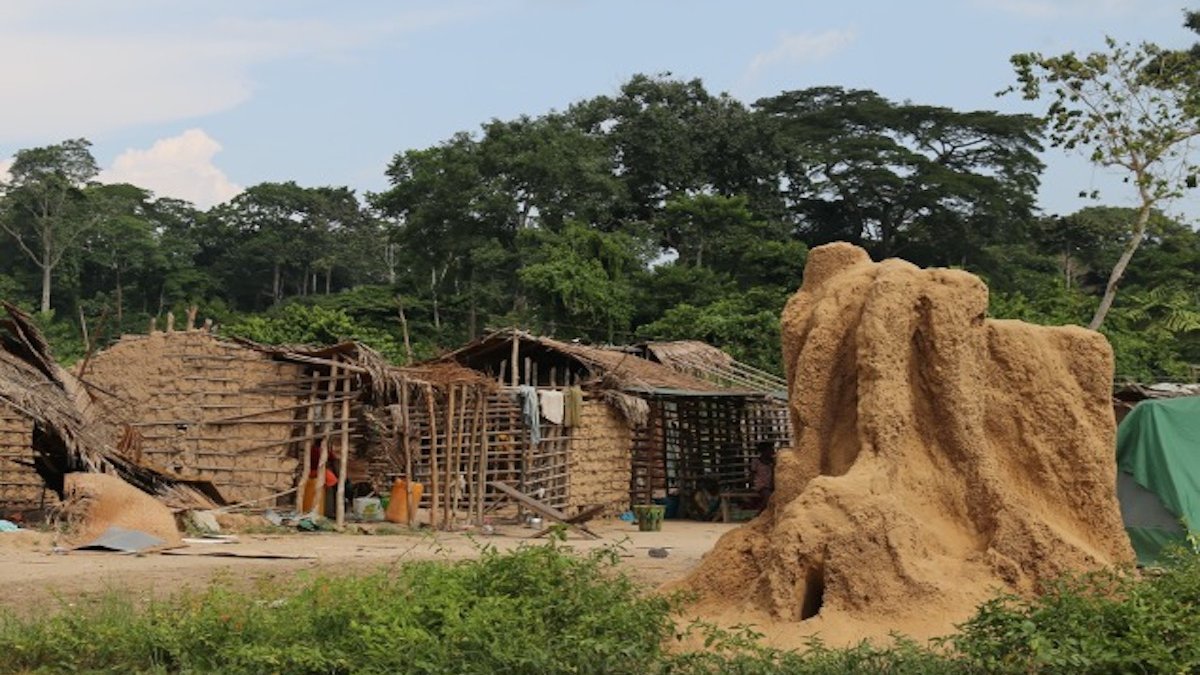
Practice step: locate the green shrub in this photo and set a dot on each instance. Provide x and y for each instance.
(546, 610)
(534, 610)
(1111, 621)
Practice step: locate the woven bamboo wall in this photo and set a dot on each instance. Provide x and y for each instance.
(600, 459)
(477, 436)
(691, 438)
(180, 389)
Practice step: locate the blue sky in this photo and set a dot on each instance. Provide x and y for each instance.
(199, 99)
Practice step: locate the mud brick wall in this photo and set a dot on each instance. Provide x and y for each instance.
(600, 459)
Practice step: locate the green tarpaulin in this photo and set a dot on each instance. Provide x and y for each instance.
(1158, 457)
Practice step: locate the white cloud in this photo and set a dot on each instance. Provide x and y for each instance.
(5, 165)
(180, 167)
(799, 49)
(73, 71)
(1053, 9)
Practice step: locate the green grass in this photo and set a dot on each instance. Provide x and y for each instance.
(544, 609)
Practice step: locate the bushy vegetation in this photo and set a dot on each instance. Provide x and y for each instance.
(547, 610)
(536, 610)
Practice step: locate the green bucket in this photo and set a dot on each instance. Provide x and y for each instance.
(649, 517)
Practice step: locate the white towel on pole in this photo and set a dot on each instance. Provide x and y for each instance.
(552, 405)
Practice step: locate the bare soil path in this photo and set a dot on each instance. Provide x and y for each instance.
(35, 578)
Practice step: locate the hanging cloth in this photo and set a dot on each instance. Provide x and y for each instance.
(552, 405)
(574, 407)
(530, 412)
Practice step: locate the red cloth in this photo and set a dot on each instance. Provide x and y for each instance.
(314, 461)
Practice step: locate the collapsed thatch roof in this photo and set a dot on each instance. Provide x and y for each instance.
(607, 367)
(64, 442)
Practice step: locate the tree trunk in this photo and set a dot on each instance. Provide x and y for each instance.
(437, 319)
(120, 300)
(471, 317)
(46, 280)
(275, 287)
(408, 352)
(1110, 290)
(328, 278)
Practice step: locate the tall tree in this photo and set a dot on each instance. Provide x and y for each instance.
(1133, 107)
(902, 177)
(45, 207)
(123, 240)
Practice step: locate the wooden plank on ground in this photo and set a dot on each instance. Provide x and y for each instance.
(539, 507)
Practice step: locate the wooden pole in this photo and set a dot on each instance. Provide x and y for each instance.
(408, 464)
(451, 419)
(306, 451)
(433, 463)
(463, 440)
(344, 460)
(476, 446)
(515, 374)
(483, 462)
(326, 424)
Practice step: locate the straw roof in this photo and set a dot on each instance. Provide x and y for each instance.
(64, 442)
(607, 367)
(385, 380)
(713, 364)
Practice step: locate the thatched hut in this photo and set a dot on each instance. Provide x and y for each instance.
(646, 429)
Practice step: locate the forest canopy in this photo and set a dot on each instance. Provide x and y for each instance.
(659, 211)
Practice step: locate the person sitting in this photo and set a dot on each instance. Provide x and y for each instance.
(706, 500)
(762, 468)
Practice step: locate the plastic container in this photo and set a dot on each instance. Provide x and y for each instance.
(649, 517)
(367, 508)
(397, 509)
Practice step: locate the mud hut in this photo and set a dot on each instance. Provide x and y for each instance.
(51, 431)
(645, 431)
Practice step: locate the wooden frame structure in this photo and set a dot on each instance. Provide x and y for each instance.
(695, 437)
(706, 412)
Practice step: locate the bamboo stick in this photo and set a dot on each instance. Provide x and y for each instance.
(298, 406)
(344, 460)
(515, 374)
(483, 464)
(476, 449)
(408, 464)
(319, 487)
(462, 450)
(306, 460)
(433, 465)
(448, 446)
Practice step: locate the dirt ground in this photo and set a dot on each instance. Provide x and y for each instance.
(37, 578)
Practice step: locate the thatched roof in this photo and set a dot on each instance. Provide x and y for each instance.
(606, 367)
(64, 441)
(713, 364)
(385, 380)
